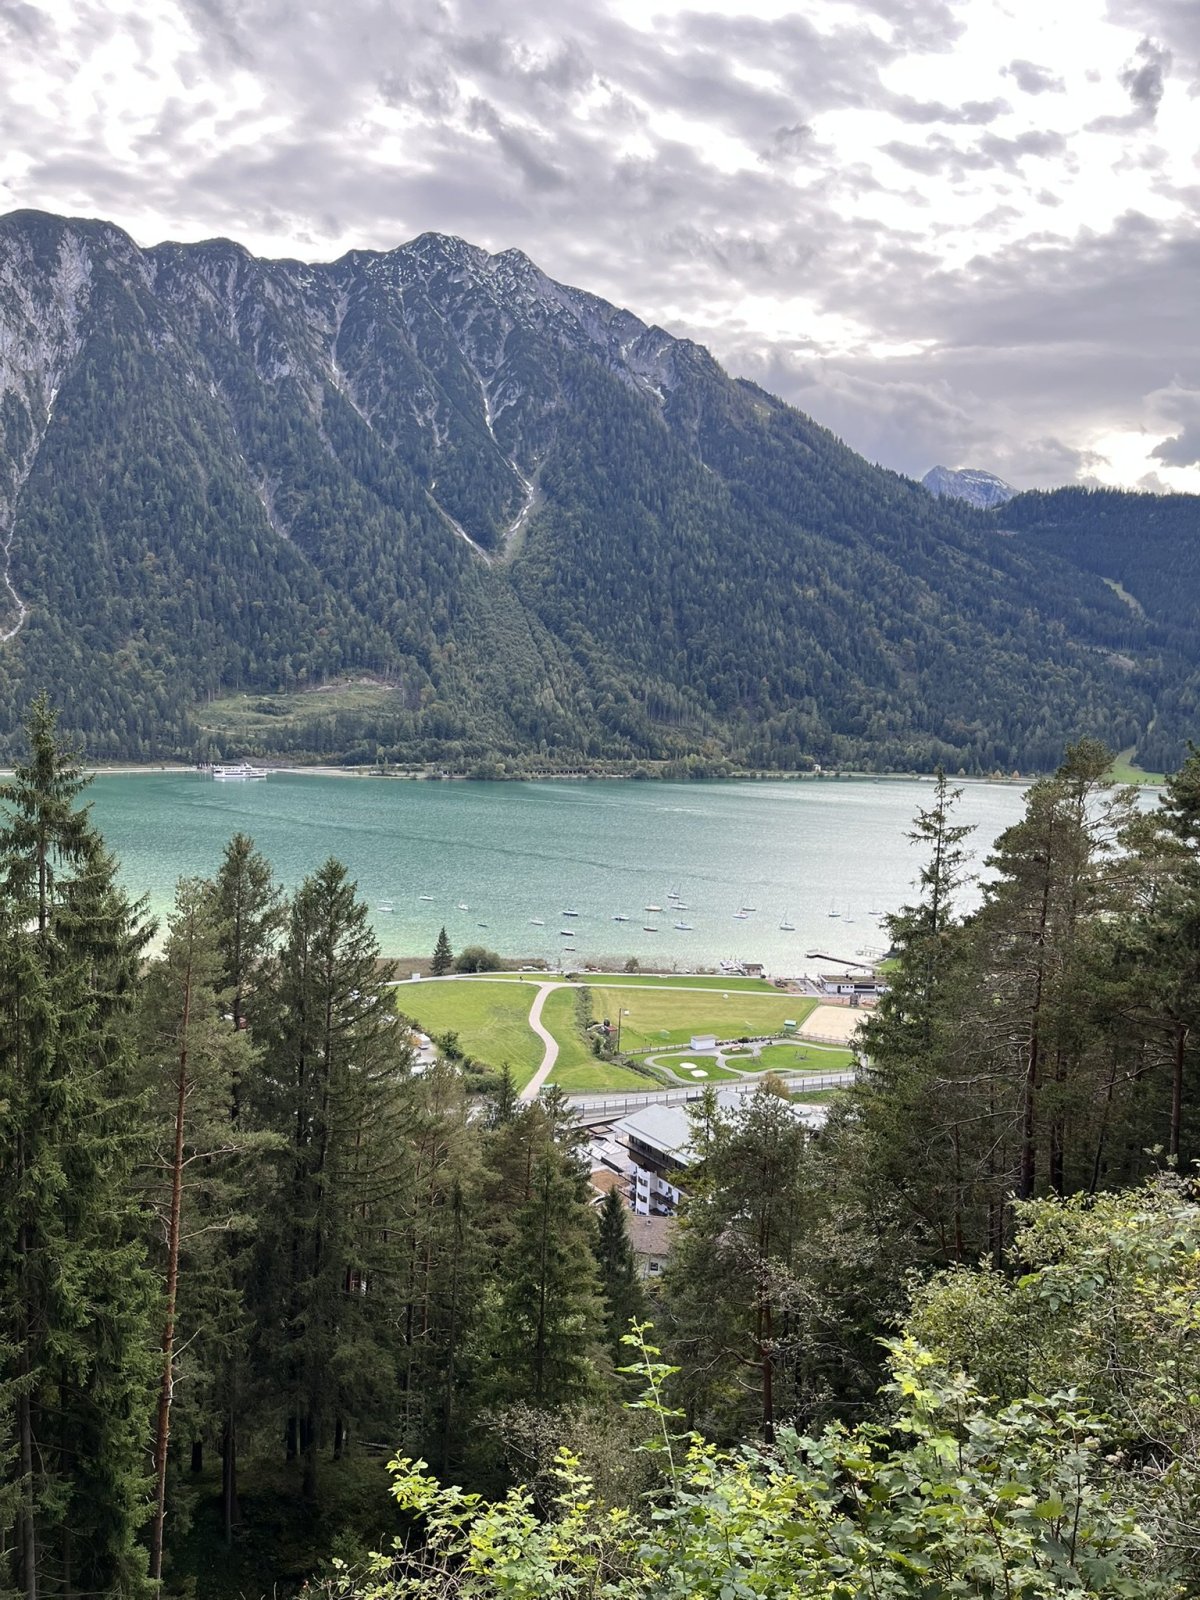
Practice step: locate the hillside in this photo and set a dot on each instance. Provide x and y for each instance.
(1144, 547)
(545, 532)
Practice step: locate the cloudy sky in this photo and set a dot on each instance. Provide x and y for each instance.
(962, 231)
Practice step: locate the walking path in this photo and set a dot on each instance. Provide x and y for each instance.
(549, 1042)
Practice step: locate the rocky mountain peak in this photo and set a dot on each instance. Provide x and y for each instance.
(977, 488)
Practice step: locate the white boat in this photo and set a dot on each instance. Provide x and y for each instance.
(570, 913)
(651, 908)
(833, 910)
(647, 929)
(463, 906)
(428, 897)
(536, 922)
(619, 918)
(385, 905)
(740, 916)
(684, 927)
(786, 926)
(566, 933)
(240, 773)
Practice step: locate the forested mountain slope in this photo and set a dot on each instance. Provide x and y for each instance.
(555, 533)
(1145, 547)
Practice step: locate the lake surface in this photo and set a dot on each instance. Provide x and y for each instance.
(512, 853)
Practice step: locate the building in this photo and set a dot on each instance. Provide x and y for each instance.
(857, 985)
(651, 1241)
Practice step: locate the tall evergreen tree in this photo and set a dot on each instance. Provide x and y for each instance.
(78, 1296)
(334, 1065)
(624, 1297)
(443, 956)
(193, 1060)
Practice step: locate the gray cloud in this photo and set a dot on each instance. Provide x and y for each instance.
(1143, 78)
(1032, 79)
(689, 169)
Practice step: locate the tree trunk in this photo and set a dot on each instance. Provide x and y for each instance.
(163, 1429)
(230, 1514)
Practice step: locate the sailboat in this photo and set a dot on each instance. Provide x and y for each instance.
(833, 910)
(786, 925)
(536, 922)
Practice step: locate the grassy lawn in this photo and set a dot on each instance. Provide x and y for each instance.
(713, 1073)
(670, 1017)
(577, 1070)
(491, 1020)
(804, 1058)
(259, 718)
(1124, 771)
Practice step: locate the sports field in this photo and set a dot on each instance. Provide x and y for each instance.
(669, 1017)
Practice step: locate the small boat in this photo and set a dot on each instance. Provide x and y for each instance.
(566, 933)
(684, 927)
(570, 913)
(740, 916)
(481, 924)
(833, 910)
(237, 774)
(679, 906)
(651, 908)
(619, 918)
(428, 897)
(463, 906)
(786, 926)
(385, 905)
(647, 929)
(536, 922)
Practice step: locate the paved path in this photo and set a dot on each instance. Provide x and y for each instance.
(549, 1042)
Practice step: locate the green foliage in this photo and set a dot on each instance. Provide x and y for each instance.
(953, 1496)
(224, 504)
(477, 958)
(443, 956)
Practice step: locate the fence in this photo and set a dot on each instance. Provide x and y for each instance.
(599, 1108)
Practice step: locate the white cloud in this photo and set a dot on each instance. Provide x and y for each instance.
(952, 229)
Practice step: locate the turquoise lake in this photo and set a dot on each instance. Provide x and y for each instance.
(515, 853)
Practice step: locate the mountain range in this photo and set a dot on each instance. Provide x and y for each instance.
(429, 505)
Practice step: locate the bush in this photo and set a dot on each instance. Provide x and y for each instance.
(477, 958)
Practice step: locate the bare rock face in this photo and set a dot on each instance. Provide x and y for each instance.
(982, 489)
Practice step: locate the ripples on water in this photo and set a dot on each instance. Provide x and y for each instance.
(513, 852)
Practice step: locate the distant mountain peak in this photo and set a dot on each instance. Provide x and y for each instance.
(977, 488)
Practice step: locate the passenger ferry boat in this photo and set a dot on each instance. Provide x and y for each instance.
(240, 773)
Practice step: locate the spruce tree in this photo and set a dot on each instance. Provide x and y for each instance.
(443, 956)
(332, 1083)
(196, 1186)
(624, 1297)
(74, 1317)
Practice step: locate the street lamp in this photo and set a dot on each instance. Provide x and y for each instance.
(620, 1014)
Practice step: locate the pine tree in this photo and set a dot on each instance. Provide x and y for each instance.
(251, 917)
(334, 1068)
(624, 1297)
(193, 1062)
(78, 1296)
(443, 956)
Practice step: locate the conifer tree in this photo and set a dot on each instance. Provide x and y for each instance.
(334, 1067)
(192, 1061)
(443, 956)
(77, 1297)
(624, 1297)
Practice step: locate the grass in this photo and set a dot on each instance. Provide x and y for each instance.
(670, 1017)
(1124, 771)
(491, 1020)
(261, 717)
(714, 1073)
(804, 1058)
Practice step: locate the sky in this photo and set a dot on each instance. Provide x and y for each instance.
(954, 231)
